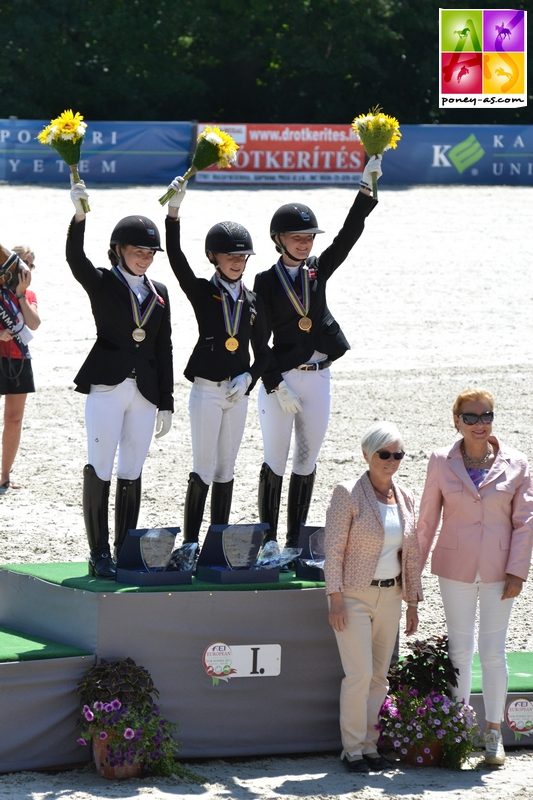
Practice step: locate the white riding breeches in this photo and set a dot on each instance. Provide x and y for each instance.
(310, 424)
(217, 427)
(118, 416)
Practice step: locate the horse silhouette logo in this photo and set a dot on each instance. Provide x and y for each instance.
(503, 32)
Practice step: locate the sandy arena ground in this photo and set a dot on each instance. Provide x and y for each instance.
(436, 297)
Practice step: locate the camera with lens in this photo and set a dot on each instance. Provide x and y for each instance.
(11, 266)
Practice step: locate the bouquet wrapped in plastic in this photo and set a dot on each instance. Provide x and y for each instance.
(213, 146)
(377, 132)
(65, 134)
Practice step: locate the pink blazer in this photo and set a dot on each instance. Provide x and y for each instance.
(354, 538)
(486, 531)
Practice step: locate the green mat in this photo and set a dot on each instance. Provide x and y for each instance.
(73, 575)
(16, 646)
(520, 672)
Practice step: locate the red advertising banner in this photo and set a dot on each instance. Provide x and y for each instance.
(282, 153)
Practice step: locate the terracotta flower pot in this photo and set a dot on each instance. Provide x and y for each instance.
(424, 755)
(107, 770)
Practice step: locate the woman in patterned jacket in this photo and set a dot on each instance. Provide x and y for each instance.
(372, 562)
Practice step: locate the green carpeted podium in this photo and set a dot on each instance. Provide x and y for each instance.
(279, 695)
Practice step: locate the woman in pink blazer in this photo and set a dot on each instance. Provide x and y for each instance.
(372, 561)
(484, 491)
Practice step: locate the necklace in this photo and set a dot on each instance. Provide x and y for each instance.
(477, 462)
(388, 495)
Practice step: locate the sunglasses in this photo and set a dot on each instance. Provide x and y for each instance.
(473, 419)
(386, 454)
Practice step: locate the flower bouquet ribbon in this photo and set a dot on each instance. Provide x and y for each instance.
(213, 146)
(65, 134)
(377, 132)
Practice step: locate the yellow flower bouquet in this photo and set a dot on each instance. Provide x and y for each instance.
(213, 146)
(65, 134)
(377, 132)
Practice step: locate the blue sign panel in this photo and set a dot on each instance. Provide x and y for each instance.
(111, 153)
(453, 154)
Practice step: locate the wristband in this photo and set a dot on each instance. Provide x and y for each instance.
(412, 605)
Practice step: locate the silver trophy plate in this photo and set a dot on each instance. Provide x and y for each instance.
(241, 544)
(156, 548)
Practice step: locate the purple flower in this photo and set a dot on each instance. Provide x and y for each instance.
(419, 759)
(129, 733)
(82, 741)
(102, 735)
(88, 714)
(108, 707)
(427, 751)
(116, 705)
(98, 705)
(396, 743)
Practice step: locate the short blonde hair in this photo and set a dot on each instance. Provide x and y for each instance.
(472, 394)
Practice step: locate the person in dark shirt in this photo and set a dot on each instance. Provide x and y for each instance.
(295, 391)
(230, 319)
(127, 376)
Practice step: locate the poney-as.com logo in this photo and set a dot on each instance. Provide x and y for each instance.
(482, 58)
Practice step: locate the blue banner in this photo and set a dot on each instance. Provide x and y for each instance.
(111, 153)
(154, 152)
(454, 154)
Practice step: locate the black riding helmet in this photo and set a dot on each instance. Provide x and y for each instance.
(228, 237)
(292, 218)
(137, 231)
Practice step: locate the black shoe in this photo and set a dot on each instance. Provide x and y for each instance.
(376, 762)
(356, 764)
(102, 566)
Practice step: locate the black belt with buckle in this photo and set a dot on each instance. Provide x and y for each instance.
(315, 366)
(387, 582)
(132, 374)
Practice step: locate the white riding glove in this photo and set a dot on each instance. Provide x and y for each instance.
(288, 400)
(372, 165)
(238, 387)
(163, 423)
(180, 187)
(78, 193)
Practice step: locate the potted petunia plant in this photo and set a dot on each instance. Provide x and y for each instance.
(122, 723)
(419, 719)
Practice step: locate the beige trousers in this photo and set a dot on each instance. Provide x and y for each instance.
(366, 646)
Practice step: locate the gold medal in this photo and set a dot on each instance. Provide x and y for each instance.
(138, 335)
(305, 324)
(231, 344)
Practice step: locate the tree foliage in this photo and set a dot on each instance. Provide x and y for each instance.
(225, 60)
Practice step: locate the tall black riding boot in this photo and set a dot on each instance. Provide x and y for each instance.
(127, 505)
(194, 508)
(221, 495)
(298, 502)
(268, 500)
(95, 510)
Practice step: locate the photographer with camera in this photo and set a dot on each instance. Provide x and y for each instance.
(18, 317)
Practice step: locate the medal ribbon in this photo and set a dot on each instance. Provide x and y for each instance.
(139, 317)
(231, 321)
(301, 307)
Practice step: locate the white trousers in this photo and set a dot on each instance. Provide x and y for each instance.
(366, 646)
(310, 424)
(217, 427)
(118, 416)
(460, 601)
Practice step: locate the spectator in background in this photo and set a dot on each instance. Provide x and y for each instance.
(18, 317)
